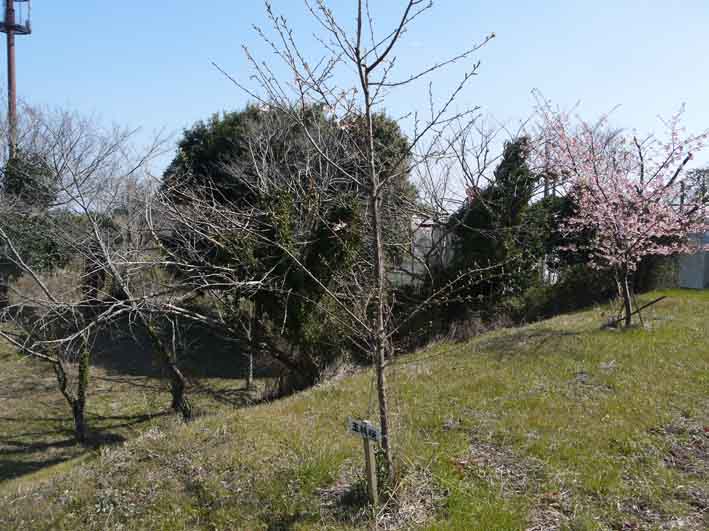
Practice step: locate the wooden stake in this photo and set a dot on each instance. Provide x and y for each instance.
(370, 471)
(612, 323)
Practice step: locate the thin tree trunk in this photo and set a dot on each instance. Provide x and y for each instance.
(77, 410)
(79, 406)
(250, 376)
(253, 345)
(627, 301)
(383, 409)
(178, 384)
(77, 402)
(380, 335)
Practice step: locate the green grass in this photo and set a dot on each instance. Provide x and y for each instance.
(558, 425)
(36, 429)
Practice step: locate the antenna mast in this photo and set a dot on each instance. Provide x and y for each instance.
(11, 26)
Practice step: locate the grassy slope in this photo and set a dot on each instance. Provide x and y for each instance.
(556, 425)
(36, 430)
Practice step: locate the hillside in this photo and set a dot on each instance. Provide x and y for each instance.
(127, 395)
(557, 425)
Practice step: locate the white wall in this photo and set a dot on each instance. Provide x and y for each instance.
(694, 268)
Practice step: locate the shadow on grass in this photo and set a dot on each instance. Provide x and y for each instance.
(19, 456)
(154, 385)
(525, 341)
(126, 350)
(230, 397)
(10, 469)
(36, 429)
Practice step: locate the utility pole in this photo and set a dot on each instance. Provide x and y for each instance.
(11, 80)
(11, 26)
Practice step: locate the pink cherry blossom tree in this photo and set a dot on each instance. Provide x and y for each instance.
(629, 192)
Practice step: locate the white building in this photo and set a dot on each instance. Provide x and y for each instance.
(694, 268)
(431, 247)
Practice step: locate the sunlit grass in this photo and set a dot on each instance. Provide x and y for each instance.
(515, 426)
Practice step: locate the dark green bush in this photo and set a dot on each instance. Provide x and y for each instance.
(657, 272)
(578, 287)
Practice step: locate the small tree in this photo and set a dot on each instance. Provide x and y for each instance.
(89, 167)
(489, 229)
(628, 193)
(352, 82)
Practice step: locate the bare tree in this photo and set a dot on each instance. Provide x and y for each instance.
(354, 103)
(88, 168)
(247, 251)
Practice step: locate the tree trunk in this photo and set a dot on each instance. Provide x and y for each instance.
(77, 410)
(250, 375)
(383, 409)
(178, 386)
(79, 405)
(622, 283)
(252, 340)
(77, 402)
(627, 301)
(380, 334)
(178, 383)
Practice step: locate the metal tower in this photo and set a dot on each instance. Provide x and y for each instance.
(16, 22)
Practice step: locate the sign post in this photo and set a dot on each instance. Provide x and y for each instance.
(369, 435)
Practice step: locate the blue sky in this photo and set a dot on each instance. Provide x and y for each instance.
(147, 63)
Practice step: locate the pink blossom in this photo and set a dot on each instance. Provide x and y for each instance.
(628, 190)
